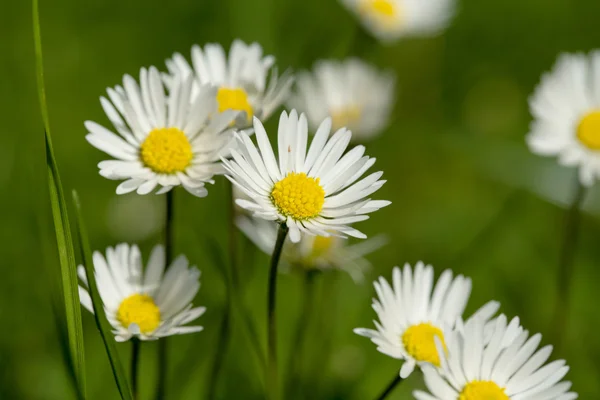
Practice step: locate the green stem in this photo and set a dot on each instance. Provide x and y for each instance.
(390, 387)
(565, 264)
(271, 378)
(224, 335)
(162, 343)
(135, 357)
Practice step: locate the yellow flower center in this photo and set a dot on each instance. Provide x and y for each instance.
(234, 99)
(482, 390)
(139, 309)
(419, 342)
(321, 245)
(588, 131)
(384, 11)
(298, 196)
(166, 151)
(345, 117)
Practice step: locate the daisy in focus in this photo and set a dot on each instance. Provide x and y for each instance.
(566, 111)
(356, 95)
(247, 80)
(412, 318)
(146, 305)
(163, 140)
(316, 192)
(313, 252)
(505, 366)
(390, 20)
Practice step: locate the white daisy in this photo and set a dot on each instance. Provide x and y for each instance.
(164, 140)
(316, 193)
(313, 252)
(411, 316)
(148, 305)
(501, 367)
(389, 20)
(242, 79)
(566, 111)
(356, 95)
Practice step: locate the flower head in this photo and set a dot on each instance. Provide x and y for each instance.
(355, 94)
(389, 20)
(566, 111)
(246, 81)
(412, 317)
(163, 140)
(495, 361)
(316, 192)
(147, 305)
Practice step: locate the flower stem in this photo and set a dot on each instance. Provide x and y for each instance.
(162, 343)
(390, 387)
(135, 357)
(565, 264)
(271, 378)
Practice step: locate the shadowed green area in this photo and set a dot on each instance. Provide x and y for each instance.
(466, 193)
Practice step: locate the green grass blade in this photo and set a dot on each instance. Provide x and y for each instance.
(62, 228)
(101, 321)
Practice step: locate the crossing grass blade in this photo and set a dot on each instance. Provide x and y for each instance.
(62, 229)
(99, 314)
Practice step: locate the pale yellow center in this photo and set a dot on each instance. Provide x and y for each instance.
(298, 196)
(166, 151)
(139, 309)
(345, 117)
(384, 11)
(419, 342)
(588, 131)
(234, 99)
(321, 245)
(482, 390)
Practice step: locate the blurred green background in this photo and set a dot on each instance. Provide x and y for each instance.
(466, 192)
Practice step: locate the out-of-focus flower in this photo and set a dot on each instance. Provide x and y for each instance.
(147, 305)
(313, 252)
(390, 20)
(247, 81)
(476, 363)
(356, 95)
(412, 318)
(314, 192)
(164, 140)
(566, 111)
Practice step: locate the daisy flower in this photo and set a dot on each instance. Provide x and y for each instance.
(163, 140)
(389, 20)
(313, 252)
(411, 316)
(247, 80)
(314, 192)
(566, 111)
(148, 305)
(507, 366)
(356, 95)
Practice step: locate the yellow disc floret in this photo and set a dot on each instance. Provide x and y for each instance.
(298, 196)
(345, 117)
(139, 309)
(419, 342)
(588, 131)
(234, 99)
(382, 11)
(166, 151)
(482, 390)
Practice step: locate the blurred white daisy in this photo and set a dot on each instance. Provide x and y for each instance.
(506, 366)
(566, 111)
(411, 316)
(313, 252)
(247, 80)
(164, 140)
(315, 193)
(389, 20)
(356, 95)
(148, 305)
